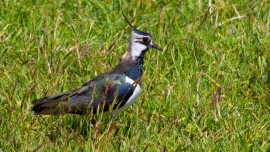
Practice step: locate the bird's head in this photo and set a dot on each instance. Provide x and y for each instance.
(143, 40)
(140, 41)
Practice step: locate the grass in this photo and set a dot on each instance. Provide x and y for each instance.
(207, 91)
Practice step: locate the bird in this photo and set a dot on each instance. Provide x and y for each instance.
(112, 91)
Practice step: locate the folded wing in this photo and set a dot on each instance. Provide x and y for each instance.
(106, 92)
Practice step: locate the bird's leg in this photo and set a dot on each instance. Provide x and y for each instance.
(91, 119)
(112, 126)
(113, 122)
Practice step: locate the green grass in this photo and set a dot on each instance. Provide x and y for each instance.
(51, 46)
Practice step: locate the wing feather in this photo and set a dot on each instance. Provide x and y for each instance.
(111, 90)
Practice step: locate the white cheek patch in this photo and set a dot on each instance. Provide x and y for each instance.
(136, 49)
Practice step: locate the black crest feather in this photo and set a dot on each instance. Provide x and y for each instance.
(135, 29)
(128, 21)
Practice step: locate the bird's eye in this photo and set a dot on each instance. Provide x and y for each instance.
(146, 40)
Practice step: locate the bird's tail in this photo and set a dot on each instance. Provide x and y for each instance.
(53, 105)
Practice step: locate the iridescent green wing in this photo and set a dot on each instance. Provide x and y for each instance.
(107, 92)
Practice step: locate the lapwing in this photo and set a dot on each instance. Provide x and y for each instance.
(113, 91)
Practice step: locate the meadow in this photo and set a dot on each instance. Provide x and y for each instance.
(207, 91)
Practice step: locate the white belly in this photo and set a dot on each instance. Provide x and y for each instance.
(131, 100)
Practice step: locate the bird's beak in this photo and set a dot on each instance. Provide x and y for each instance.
(155, 46)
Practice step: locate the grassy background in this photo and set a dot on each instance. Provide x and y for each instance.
(207, 91)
